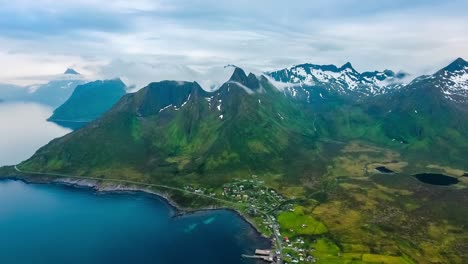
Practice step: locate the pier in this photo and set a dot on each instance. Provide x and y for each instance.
(267, 255)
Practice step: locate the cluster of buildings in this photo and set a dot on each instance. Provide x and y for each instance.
(253, 193)
(296, 251)
(263, 203)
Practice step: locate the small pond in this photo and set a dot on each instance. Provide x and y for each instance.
(383, 169)
(436, 179)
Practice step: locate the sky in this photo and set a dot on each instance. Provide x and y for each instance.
(151, 40)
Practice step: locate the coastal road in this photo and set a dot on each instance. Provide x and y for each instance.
(126, 182)
(279, 244)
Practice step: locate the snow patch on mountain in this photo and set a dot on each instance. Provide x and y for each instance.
(164, 108)
(460, 79)
(454, 84)
(184, 103)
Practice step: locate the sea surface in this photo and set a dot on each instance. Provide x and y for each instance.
(58, 224)
(24, 129)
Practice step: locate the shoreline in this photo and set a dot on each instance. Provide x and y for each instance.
(91, 185)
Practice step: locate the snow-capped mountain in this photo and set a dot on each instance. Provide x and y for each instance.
(342, 80)
(451, 82)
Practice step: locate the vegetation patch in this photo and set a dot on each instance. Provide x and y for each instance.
(296, 222)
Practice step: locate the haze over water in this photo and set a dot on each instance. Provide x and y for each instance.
(24, 129)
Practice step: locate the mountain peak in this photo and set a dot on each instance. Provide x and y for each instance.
(238, 76)
(71, 71)
(456, 65)
(249, 81)
(389, 73)
(460, 60)
(347, 65)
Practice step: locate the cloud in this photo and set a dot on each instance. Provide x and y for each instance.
(148, 40)
(137, 74)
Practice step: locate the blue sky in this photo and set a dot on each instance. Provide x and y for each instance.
(143, 40)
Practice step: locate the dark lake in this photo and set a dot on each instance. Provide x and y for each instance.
(436, 179)
(55, 224)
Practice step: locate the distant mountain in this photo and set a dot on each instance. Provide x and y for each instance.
(57, 91)
(309, 80)
(53, 93)
(71, 71)
(10, 92)
(89, 101)
(451, 82)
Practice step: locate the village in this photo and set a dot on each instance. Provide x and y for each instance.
(263, 205)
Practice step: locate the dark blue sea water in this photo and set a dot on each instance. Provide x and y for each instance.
(56, 224)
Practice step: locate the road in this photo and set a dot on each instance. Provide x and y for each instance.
(127, 182)
(279, 244)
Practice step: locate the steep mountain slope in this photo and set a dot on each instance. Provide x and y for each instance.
(305, 80)
(429, 113)
(171, 128)
(451, 80)
(89, 101)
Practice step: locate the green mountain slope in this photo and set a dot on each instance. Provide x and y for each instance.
(172, 128)
(249, 125)
(89, 101)
(422, 117)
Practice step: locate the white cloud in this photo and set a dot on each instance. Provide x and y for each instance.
(145, 40)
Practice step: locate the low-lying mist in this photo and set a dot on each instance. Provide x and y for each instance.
(24, 129)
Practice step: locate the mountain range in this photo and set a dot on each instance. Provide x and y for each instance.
(302, 80)
(178, 128)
